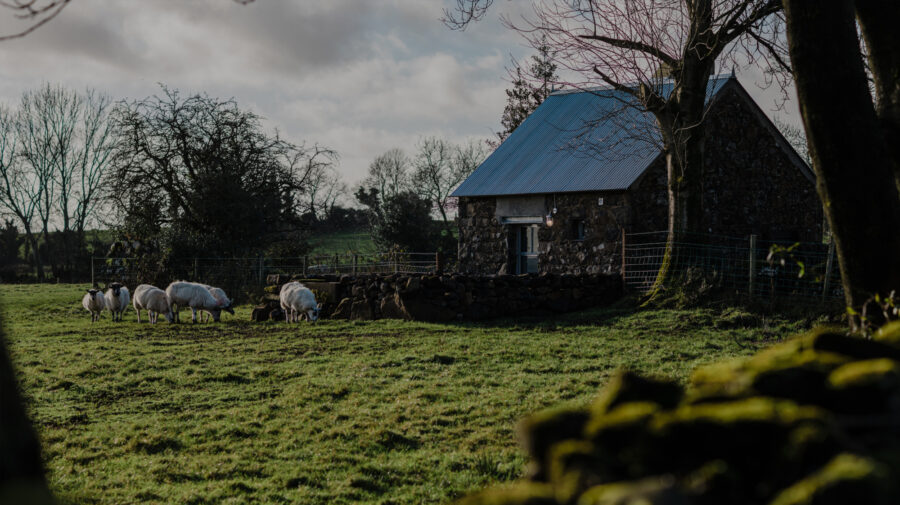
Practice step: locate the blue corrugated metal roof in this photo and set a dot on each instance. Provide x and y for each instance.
(553, 151)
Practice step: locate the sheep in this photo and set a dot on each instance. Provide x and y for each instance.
(94, 303)
(220, 296)
(154, 300)
(117, 300)
(195, 296)
(297, 300)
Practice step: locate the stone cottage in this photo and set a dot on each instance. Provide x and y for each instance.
(557, 195)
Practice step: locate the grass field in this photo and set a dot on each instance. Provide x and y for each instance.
(339, 412)
(342, 242)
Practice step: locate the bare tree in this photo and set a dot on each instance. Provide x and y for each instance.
(389, 174)
(322, 189)
(440, 167)
(34, 13)
(17, 188)
(42, 120)
(65, 143)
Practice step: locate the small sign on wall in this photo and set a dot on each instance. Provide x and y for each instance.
(600, 201)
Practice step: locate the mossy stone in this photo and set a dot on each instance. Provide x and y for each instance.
(752, 435)
(866, 386)
(572, 467)
(660, 490)
(627, 386)
(794, 370)
(846, 479)
(538, 432)
(520, 493)
(889, 334)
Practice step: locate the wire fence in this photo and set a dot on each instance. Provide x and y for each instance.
(237, 274)
(746, 265)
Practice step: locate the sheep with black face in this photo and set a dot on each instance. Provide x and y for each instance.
(117, 300)
(94, 303)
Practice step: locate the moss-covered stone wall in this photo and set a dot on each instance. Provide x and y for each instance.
(814, 420)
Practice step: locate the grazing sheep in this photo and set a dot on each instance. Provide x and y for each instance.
(297, 300)
(117, 300)
(94, 303)
(195, 296)
(221, 297)
(154, 300)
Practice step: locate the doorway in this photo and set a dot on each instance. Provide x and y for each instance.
(527, 249)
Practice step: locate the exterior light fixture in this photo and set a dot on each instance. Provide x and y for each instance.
(549, 219)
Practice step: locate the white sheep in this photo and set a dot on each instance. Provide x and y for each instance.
(94, 303)
(154, 301)
(221, 297)
(297, 300)
(117, 300)
(195, 296)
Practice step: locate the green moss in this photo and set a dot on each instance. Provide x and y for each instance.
(872, 372)
(866, 386)
(889, 334)
(846, 479)
(521, 493)
(540, 431)
(795, 370)
(623, 416)
(652, 490)
(627, 386)
(572, 467)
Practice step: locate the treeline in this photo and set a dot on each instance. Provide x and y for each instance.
(401, 194)
(170, 176)
(175, 176)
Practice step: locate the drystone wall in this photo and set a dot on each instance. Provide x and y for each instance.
(812, 421)
(447, 297)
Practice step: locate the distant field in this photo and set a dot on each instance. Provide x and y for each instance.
(339, 412)
(358, 242)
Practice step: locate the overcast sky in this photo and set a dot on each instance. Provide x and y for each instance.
(359, 76)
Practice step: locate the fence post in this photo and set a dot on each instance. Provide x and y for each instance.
(623, 254)
(195, 270)
(829, 265)
(305, 262)
(439, 263)
(336, 269)
(93, 282)
(355, 262)
(261, 266)
(752, 282)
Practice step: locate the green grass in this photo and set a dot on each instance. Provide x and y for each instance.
(338, 412)
(342, 242)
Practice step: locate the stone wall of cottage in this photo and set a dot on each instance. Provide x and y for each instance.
(487, 246)
(484, 243)
(750, 184)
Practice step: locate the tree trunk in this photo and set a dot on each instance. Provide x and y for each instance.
(38, 265)
(853, 165)
(878, 20)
